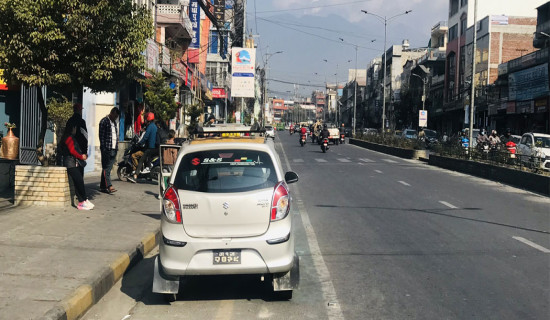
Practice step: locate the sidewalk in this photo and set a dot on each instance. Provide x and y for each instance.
(56, 263)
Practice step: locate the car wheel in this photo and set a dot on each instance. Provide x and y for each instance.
(282, 295)
(122, 174)
(170, 297)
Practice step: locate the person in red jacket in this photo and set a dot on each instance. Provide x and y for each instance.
(74, 159)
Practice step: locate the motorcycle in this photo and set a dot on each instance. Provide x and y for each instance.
(483, 147)
(125, 167)
(465, 144)
(511, 147)
(324, 145)
(302, 140)
(291, 130)
(342, 138)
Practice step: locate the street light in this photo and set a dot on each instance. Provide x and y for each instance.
(355, 88)
(425, 82)
(267, 56)
(385, 20)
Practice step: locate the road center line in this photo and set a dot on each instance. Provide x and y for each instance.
(404, 183)
(378, 171)
(445, 203)
(333, 309)
(343, 160)
(532, 244)
(320, 160)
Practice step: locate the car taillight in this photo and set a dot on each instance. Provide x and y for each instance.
(280, 206)
(171, 204)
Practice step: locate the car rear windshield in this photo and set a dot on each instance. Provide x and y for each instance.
(222, 171)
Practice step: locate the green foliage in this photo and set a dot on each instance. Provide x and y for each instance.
(59, 111)
(97, 44)
(159, 97)
(247, 118)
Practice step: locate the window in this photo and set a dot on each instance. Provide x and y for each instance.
(213, 42)
(463, 27)
(463, 3)
(453, 32)
(453, 7)
(451, 75)
(225, 171)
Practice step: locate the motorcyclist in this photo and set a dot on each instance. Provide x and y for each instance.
(342, 129)
(507, 137)
(324, 133)
(482, 138)
(494, 140)
(149, 140)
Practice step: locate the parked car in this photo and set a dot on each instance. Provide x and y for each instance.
(270, 132)
(409, 134)
(370, 131)
(534, 148)
(226, 212)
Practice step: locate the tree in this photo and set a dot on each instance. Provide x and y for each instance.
(159, 97)
(194, 111)
(73, 43)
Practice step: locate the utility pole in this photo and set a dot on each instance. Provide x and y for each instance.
(355, 93)
(472, 98)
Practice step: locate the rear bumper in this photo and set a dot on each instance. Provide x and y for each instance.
(257, 256)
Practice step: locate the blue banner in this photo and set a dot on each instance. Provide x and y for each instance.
(195, 17)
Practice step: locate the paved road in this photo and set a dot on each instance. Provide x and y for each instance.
(380, 238)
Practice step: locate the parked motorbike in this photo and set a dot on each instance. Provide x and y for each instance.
(324, 145)
(483, 147)
(465, 143)
(302, 140)
(125, 167)
(342, 138)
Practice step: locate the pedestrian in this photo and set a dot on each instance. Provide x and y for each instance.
(149, 140)
(169, 154)
(73, 160)
(108, 144)
(81, 131)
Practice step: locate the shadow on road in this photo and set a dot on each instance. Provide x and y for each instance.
(439, 212)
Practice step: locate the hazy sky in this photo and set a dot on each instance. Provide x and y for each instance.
(309, 32)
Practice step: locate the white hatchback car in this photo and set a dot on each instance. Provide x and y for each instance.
(226, 212)
(535, 148)
(270, 132)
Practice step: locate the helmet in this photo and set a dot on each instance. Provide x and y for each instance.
(494, 132)
(342, 124)
(508, 131)
(482, 132)
(325, 126)
(150, 116)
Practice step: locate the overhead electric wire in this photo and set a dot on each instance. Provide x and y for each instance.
(300, 84)
(316, 7)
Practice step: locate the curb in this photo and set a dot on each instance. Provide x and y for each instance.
(87, 295)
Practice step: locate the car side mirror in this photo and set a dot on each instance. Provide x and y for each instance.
(291, 177)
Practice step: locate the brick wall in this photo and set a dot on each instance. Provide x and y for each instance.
(42, 186)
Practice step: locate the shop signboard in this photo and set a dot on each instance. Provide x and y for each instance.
(219, 10)
(525, 106)
(529, 83)
(218, 93)
(510, 107)
(422, 118)
(195, 17)
(243, 61)
(541, 105)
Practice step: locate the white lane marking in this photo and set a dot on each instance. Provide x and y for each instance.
(390, 160)
(320, 160)
(298, 160)
(378, 171)
(333, 309)
(404, 183)
(343, 160)
(448, 204)
(365, 160)
(532, 244)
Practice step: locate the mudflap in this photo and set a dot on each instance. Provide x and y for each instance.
(163, 283)
(289, 280)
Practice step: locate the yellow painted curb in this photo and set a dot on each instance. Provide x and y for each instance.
(120, 266)
(81, 301)
(149, 243)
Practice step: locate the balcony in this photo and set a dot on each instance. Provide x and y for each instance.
(175, 22)
(440, 28)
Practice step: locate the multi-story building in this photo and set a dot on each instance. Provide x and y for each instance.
(318, 98)
(373, 95)
(521, 97)
(499, 39)
(353, 94)
(424, 79)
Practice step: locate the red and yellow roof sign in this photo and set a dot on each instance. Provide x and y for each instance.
(3, 84)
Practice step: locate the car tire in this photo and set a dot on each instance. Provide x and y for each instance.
(170, 297)
(282, 295)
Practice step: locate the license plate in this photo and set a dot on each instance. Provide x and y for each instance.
(227, 257)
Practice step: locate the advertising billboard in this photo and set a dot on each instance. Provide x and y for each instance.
(243, 61)
(195, 17)
(529, 83)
